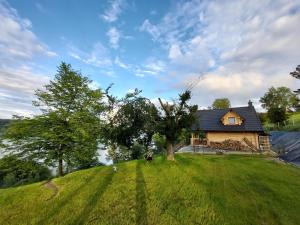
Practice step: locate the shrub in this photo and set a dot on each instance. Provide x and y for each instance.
(15, 171)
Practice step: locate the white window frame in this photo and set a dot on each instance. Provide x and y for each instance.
(230, 122)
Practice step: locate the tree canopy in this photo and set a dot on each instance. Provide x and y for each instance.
(281, 97)
(296, 74)
(221, 103)
(174, 117)
(278, 101)
(68, 128)
(130, 121)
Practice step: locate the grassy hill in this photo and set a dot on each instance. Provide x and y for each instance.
(292, 124)
(195, 189)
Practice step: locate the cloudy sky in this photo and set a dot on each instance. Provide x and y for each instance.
(234, 49)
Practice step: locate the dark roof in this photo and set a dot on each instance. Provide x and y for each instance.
(210, 120)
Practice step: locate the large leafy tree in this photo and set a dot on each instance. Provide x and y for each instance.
(68, 128)
(174, 117)
(221, 103)
(281, 97)
(296, 74)
(131, 121)
(278, 101)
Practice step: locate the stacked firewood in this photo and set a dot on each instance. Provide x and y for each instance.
(228, 144)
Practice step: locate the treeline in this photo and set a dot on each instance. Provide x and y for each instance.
(76, 118)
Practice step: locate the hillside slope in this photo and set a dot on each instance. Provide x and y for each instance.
(196, 189)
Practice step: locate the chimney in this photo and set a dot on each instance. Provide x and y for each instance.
(250, 104)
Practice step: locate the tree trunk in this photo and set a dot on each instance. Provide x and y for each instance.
(170, 151)
(60, 167)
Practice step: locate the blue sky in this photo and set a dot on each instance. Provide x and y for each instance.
(234, 49)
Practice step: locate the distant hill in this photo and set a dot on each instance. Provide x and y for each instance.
(292, 124)
(3, 123)
(195, 189)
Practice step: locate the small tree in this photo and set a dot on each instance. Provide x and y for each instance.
(174, 118)
(68, 128)
(17, 171)
(296, 74)
(221, 103)
(277, 115)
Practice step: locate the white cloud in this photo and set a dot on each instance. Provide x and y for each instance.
(17, 41)
(139, 74)
(40, 7)
(243, 47)
(152, 67)
(130, 91)
(18, 76)
(115, 8)
(21, 80)
(98, 56)
(150, 28)
(114, 37)
(153, 12)
(94, 85)
(175, 52)
(155, 66)
(17, 88)
(121, 64)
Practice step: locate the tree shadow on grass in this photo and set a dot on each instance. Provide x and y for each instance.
(93, 199)
(141, 204)
(52, 213)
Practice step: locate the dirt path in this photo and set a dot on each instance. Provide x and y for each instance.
(50, 185)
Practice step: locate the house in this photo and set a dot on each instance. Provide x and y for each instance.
(240, 124)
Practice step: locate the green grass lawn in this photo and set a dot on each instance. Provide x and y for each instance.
(195, 189)
(292, 124)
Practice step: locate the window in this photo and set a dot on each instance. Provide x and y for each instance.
(231, 120)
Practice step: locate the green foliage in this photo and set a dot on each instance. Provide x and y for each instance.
(118, 153)
(196, 189)
(201, 134)
(159, 143)
(281, 97)
(175, 117)
(279, 101)
(68, 129)
(15, 171)
(296, 74)
(137, 151)
(277, 115)
(130, 120)
(291, 124)
(221, 103)
(263, 117)
(184, 136)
